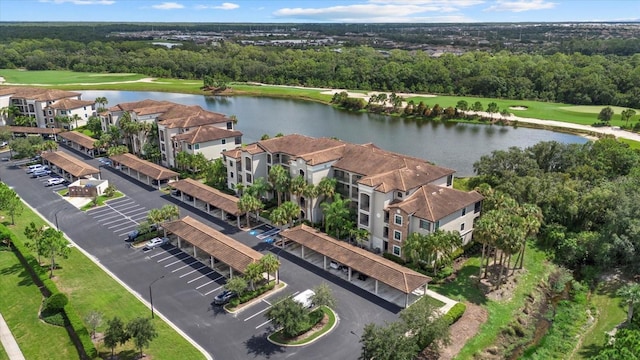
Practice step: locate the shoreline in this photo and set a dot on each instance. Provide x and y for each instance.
(589, 132)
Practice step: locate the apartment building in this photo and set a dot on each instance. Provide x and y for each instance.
(392, 194)
(43, 105)
(180, 128)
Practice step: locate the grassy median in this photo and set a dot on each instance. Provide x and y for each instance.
(88, 288)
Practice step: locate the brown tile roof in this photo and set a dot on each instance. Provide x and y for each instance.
(69, 163)
(220, 246)
(183, 116)
(145, 167)
(69, 104)
(206, 133)
(302, 146)
(361, 260)
(432, 202)
(233, 153)
(79, 138)
(7, 90)
(31, 130)
(226, 202)
(40, 94)
(146, 106)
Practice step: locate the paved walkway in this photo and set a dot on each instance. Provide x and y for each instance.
(448, 303)
(8, 342)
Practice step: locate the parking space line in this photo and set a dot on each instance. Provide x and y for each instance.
(200, 277)
(111, 222)
(182, 267)
(122, 203)
(110, 217)
(205, 284)
(263, 324)
(175, 262)
(258, 313)
(214, 290)
(119, 225)
(194, 270)
(101, 212)
(167, 258)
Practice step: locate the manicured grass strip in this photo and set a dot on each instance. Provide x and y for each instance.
(89, 288)
(500, 313)
(61, 77)
(101, 200)
(279, 339)
(610, 314)
(20, 301)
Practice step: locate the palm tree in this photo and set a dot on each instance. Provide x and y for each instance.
(170, 212)
(360, 236)
(279, 178)
(532, 221)
(183, 160)
(278, 217)
(631, 296)
(102, 101)
(310, 193)
(62, 120)
(443, 244)
(259, 188)
(75, 118)
(270, 264)
(49, 145)
(155, 216)
(327, 188)
(336, 214)
(253, 273)
(10, 112)
(297, 186)
(417, 249)
(485, 232)
(291, 211)
(247, 204)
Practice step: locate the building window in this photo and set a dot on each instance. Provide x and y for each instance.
(477, 207)
(301, 172)
(364, 219)
(424, 224)
(248, 178)
(397, 235)
(50, 121)
(386, 216)
(464, 211)
(399, 195)
(229, 125)
(449, 180)
(50, 112)
(385, 232)
(397, 219)
(462, 227)
(189, 146)
(396, 250)
(230, 163)
(268, 158)
(231, 175)
(437, 225)
(161, 132)
(247, 164)
(162, 147)
(196, 146)
(224, 141)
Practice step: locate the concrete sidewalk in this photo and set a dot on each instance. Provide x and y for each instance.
(8, 342)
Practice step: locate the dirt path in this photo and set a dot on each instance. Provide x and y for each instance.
(464, 329)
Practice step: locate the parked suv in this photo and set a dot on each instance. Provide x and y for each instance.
(41, 172)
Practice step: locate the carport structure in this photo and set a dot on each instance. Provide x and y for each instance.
(143, 170)
(71, 168)
(29, 130)
(213, 198)
(212, 244)
(79, 141)
(380, 269)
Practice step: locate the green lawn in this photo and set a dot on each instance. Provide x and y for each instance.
(610, 314)
(20, 301)
(500, 313)
(89, 288)
(62, 77)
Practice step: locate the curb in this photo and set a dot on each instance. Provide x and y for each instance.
(256, 300)
(311, 341)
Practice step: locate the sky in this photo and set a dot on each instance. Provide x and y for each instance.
(320, 11)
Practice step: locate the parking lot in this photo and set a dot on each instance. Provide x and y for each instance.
(120, 216)
(176, 263)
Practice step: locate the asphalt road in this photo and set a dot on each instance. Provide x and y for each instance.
(186, 292)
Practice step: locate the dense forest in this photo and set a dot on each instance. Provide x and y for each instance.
(574, 79)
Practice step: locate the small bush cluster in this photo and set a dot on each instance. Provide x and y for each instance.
(243, 298)
(455, 313)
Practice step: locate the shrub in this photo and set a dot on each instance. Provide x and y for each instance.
(81, 331)
(55, 318)
(55, 302)
(455, 313)
(249, 295)
(394, 258)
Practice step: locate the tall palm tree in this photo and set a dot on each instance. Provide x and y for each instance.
(75, 118)
(311, 194)
(533, 218)
(336, 214)
(259, 188)
(443, 245)
(170, 212)
(297, 186)
(247, 204)
(417, 249)
(279, 178)
(327, 188)
(102, 101)
(278, 217)
(270, 264)
(631, 296)
(291, 211)
(253, 273)
(155, 216)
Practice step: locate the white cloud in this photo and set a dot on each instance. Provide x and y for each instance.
(224, 6)
(80, 2)
(384, 11)
(520, 5)
(227, 6)
(168, 6)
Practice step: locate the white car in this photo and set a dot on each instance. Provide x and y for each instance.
(55, 181)
(155, 242)
(305, 298)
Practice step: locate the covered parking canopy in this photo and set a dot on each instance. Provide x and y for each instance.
(361, 260)
(27, 130)
(228, 204)
(72, 168)
(215, 244)
(80, 142)
(143, 170)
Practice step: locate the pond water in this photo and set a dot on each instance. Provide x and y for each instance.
(456, 146)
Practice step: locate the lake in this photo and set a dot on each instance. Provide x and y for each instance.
(456, 146)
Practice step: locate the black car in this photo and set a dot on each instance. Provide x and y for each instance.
(224, 297)
(131, 236)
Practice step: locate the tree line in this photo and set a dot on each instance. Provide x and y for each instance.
(569, 78)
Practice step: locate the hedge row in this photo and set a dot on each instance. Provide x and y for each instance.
(249, 295)
(77, 331)
(455, 313)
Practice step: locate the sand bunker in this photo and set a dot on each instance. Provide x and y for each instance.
(518, 108)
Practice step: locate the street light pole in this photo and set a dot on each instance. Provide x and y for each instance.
(56, 217)
(151, 294)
